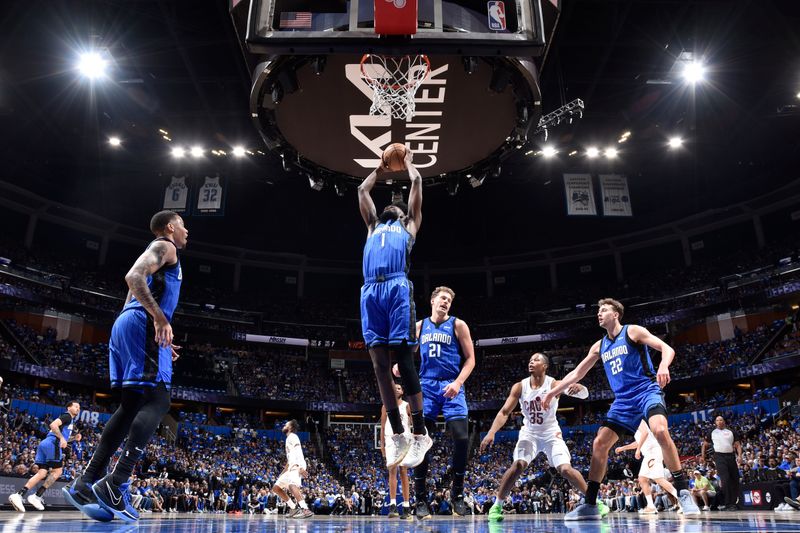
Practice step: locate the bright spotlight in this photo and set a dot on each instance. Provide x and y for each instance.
(694, 72)
(549, 151)
(611, 153)
(798, 96)
(238, 151)
(592, 152)
(178, 152)
(92, 65)
(114, 141)
(196, 151)
(675, 142)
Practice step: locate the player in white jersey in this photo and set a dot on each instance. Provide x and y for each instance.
(540, 430)
(291, 477)
(649, 450)
(387, 448)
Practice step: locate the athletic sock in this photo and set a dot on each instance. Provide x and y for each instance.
(23, 491)
(592, 487)
(393, 501)
(393, 415)
(679, 481)
(418, 422)
(649, 499)
(406, 503)
(291, 504)
(40, 491)
(303, 504)
(497, 500)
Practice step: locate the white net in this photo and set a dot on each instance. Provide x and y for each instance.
(394, 81)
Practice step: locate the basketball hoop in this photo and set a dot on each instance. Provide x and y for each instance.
(394, 81)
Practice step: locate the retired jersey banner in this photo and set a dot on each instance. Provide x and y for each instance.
(616, 199)
(580, 195)
(176, 195)
(211, 196)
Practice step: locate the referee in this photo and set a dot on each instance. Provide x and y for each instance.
(724, 441)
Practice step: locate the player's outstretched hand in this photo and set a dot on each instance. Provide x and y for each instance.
(175, 353)
(487, 441)
(546, 401)
(618, 450)
(451, 390)
(408, 160)
(638, 455)
(663, 376)
(163, 332)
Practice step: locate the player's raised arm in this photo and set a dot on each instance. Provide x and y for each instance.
(365, 203)
(502, 415)
(157, 255)
(575, 376)
(414, 215)
(643, 336)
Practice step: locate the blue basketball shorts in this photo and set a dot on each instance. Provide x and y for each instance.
(629, 412)
(434, 402)
(135, 360)
(48, 454)
(388, 316)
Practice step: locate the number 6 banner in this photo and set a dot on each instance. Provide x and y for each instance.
(176, 195)
(210, 197)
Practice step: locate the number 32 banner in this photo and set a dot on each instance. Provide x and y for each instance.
(211, 196)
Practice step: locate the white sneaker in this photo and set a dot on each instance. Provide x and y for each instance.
(398, 452)
(780, 508)
(649, 511)
(688, 504)
(706, 508)
(36, 501)
(419, 447)
(16, 501)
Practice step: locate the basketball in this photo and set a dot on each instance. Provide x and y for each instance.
(394, 157)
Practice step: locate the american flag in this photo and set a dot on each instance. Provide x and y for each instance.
(296, 19)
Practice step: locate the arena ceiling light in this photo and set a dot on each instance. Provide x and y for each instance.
(611, 153)
(92, 65)
(549, 151)
(238, 151)
(178, 152)
(694, 72)
(114, 141)
(196, 151)
(675, 142)
(592, 152)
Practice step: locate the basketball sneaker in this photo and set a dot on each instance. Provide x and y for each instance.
(116, 500)
(395, 454)
(16, 501)
(496, 513)
(648, 511)
(392, 511)
(583, 512)
(80, 496)
(793, 503)
(304, 513)
(687, 504)
(36, 501)
(405, 512)
(422, 511)
(460, 507)
(603, 508)
(416, 453)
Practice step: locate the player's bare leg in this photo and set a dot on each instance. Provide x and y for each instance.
(573, 476)
(660, 428)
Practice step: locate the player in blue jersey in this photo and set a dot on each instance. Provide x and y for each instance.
(625, 354)
(141, 354)
(388, 320)
(445, 343)
(49, 458)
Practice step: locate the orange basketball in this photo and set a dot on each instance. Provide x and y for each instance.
(394, 157)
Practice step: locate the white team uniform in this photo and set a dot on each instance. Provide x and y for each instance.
(388, 431)
(652, 457)
(296, 461)
(540, 430)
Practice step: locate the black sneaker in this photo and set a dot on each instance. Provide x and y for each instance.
(792, 503)
(422, 511)
(116, 499)
(405, 513)
(392, 511)
(460, 508)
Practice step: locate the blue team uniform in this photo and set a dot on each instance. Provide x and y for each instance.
(387, 297)
(441, 356)
(135, 360)
(632, 378)
(48, 453)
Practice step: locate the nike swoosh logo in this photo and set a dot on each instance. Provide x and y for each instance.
(114, 500)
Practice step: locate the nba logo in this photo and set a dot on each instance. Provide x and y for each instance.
(496, 11)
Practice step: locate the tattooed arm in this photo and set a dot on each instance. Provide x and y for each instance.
(157, 255)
